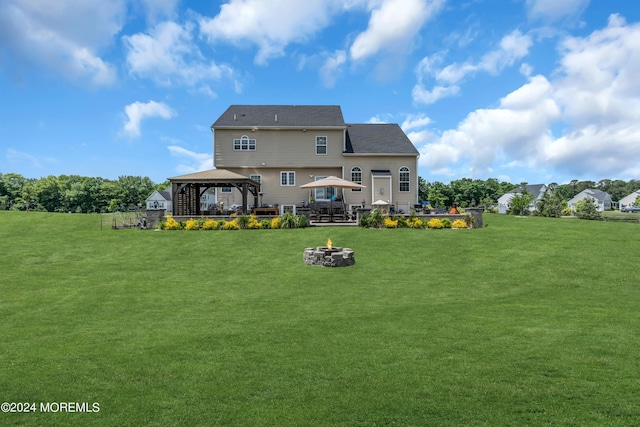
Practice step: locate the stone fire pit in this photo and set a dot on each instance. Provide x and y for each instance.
(324, 256)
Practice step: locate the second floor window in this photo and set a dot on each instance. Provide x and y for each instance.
(287, 178)
(244, 144)
(321, 145)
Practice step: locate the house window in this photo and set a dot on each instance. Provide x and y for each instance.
(287, 178)
(324, 193)
(244, 144)
(321, 145)
(225, 190)
(288, 208)
(403, 178)
(356, 176)
(258, 179)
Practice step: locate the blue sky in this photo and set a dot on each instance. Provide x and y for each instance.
(520, 90)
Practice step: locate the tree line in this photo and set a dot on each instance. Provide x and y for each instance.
(73, 193)
(465, 192)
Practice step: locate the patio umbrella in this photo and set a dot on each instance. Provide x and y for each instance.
(333, 182)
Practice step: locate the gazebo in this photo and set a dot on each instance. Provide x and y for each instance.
(187, 189)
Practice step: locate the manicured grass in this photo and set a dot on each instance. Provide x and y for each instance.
(528, 321)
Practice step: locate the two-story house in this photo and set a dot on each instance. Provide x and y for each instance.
(284, 146)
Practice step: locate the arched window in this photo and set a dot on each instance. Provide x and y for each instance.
(356, 176)
(404, 178)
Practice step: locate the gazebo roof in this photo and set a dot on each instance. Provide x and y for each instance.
(211, 176)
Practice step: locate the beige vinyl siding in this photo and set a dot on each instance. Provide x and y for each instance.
(273, 193)
(278, 148)
(391, 163)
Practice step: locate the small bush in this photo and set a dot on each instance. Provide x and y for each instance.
(435, 223)
(231, 225)
(375, 219)
(253, 223)
(265, 223)
(390, 223)
(210, 224)
(275, 222)
(192, 224)
(171, 223)
(415, 222)
(446, 222)
(242, 221)
(459, 223)
(302, 222)
(288, 220)
(161, 225)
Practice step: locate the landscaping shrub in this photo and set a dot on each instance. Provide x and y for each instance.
(253, 223)
(192, 224)
(265, 223)
(242, 221)
(171, 223)
(390, 223)
(210, 224)
(415, 222)
(375, 219)
(275, 222)
(459, 223)
(588, 209)
(446, 222)
(435, 223)
(288, 220)
(302, 222)
(231, 225)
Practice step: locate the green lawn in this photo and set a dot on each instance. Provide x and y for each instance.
(528, 321)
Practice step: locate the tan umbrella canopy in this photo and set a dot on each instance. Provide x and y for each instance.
(379, 202)
(332, 181)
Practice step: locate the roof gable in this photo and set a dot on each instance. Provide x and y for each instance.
(281, 116)
(378, 138)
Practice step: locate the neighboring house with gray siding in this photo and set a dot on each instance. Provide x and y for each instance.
(537, 190)
(602, 198)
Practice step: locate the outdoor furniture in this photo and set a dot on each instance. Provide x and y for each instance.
(265, 211)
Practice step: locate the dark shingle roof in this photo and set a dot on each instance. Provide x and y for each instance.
(534, 189)
(281, 116)
(378, 139)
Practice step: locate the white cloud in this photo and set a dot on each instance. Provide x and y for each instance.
(64, 35)
(168, 55)
(332, 67)
(269, 25)
(553, 10)
(191, 161)
(159, 9)
(393, 25)
(413, 121)
(421, 95)
(512, 48)
(139, 111)
(594, 95)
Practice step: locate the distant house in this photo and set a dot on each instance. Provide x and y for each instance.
(537, 190)
(629, 200)
(160, 199)
(602, 198)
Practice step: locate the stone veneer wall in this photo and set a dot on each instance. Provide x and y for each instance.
(342, 258)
